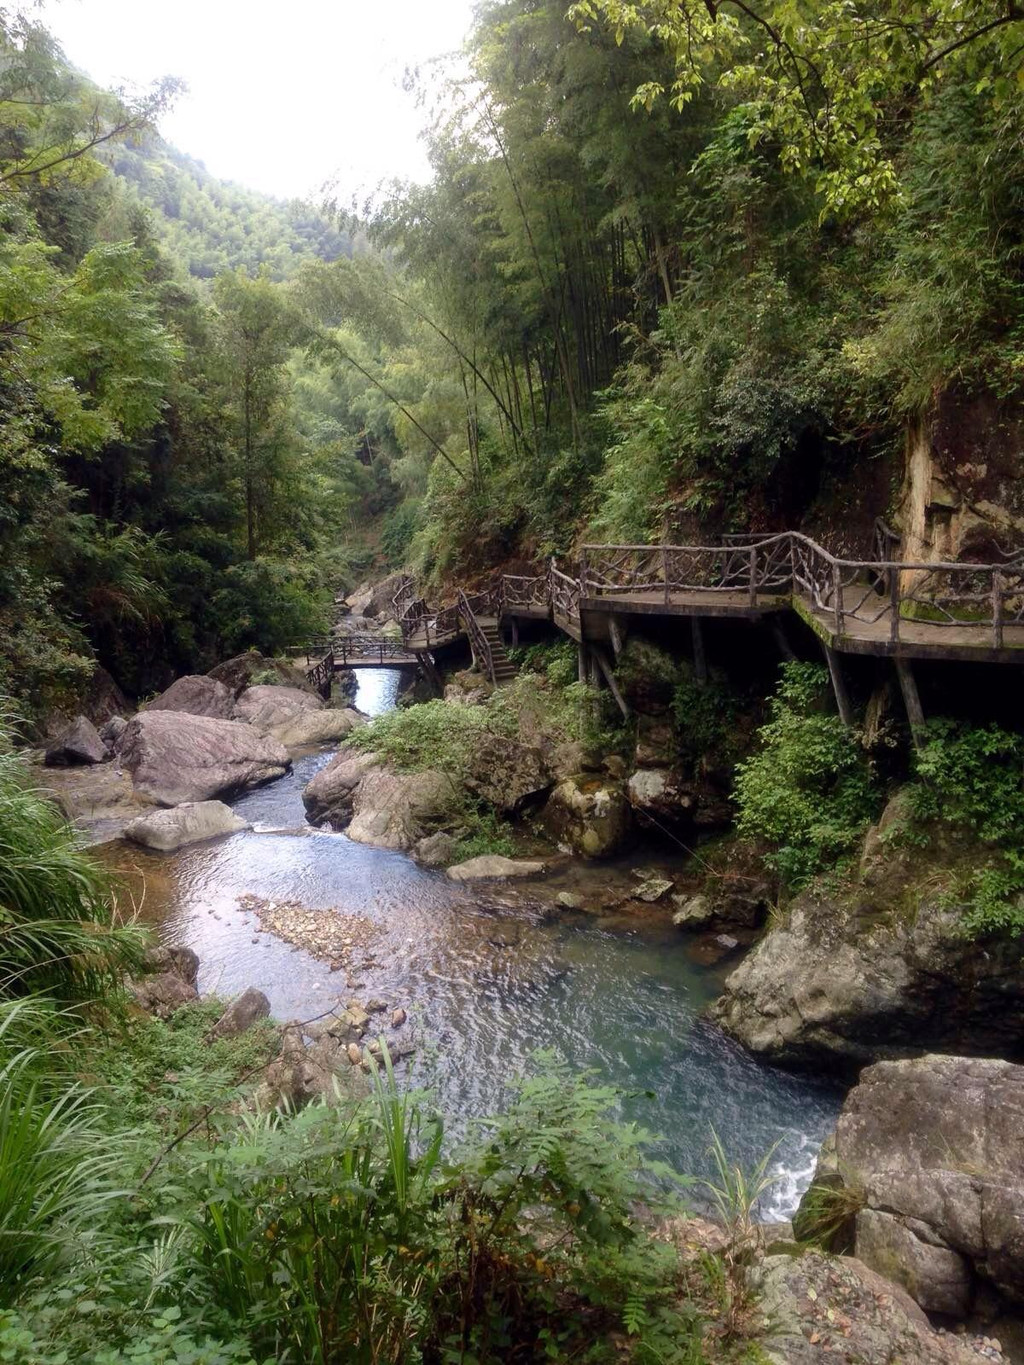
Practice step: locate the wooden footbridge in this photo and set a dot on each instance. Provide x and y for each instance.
(879, 606)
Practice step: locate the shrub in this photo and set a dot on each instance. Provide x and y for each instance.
(971, 777)
(808, 791)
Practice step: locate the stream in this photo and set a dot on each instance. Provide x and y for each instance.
(486, 980)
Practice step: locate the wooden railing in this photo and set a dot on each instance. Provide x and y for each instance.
(879, 595)
(360, 647)
(321, 675)
(481, 645)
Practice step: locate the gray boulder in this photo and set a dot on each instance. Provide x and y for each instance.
(494, 865)
(294, 718)
(195, 695)
(189, 823)
(820, 1310)
(164, 993)
(881, 971)
(934, 1146)
(330, 795)
(174, 757)
(506, 772)
(590, 813)
(79, 744)
(241, 1014)
(435, 850)
(397, 810)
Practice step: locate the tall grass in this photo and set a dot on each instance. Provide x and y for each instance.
(57, 930)
(57, 1165)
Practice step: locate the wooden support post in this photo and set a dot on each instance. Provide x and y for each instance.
(515, 632)
(594, 669)
(752, 588)
(700, 660)
(911, 698)
(997, 609)
(665, 573)
(617, 631)
(581, 662)
(782, 640)
(835, 669)
(430, 672)
(894, 605)
(609, 675)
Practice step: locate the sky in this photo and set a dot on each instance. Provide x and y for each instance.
(282, 97)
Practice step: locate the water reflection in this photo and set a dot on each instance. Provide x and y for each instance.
(484, 988)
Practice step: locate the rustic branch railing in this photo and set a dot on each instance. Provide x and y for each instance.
(874, 598)
(481, 645)
(359, 647)
(321, 675)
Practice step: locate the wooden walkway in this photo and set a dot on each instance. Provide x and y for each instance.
(881, 606)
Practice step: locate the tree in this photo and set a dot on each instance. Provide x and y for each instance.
(830, 84)
(257, 330)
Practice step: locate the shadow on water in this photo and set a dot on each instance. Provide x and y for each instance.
(484, 990)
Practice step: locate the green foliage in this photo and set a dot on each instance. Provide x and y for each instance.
(706, 717)
(808, 791)
(58, 929)
(971, 778)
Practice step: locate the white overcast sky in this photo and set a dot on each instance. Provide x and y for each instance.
(282, 96)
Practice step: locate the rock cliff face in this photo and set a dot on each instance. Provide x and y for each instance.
(932, 1149)
(963, 497)
(879, 969)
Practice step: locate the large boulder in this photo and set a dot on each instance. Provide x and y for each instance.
(189, 823)
(933, 1148)
(881, 969)
(174, 757)
(79, 744)
(823, 1310)
(590, 813)
(294, 718)
(374, 804)
(253, 667)
(330, 795)
(397, 810)
(380, 601)
(195, 695)
(505, 773)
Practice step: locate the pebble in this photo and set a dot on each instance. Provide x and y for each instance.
(355, 1053)
(398, 1017)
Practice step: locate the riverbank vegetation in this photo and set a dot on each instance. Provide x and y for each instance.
(151, 1215)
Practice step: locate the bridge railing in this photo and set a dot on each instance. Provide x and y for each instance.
(359, 647)
(565, 594)
(481, 645)
(529, 593)
(321, 675)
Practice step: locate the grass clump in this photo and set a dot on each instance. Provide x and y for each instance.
(808, 791)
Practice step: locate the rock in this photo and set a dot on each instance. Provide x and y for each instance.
(300, 1074)
(936, 1278)
(694, 912)
(164, 993)
(507, 772)
(381, 598)
(330, 795)
(398, 1018)
(494, 865)
(189, 823)
(436, 850)
(80, 744)
(181, 962)
(819, 1310)
(195, 695)
(174, 757)
(103, 698)
(652, 889)
(376, 1006)
(883, 970)
(935, 1146)
(614, 766)
(589, 813)
(355, 1054)
(394, 810)
(241, 1014)
(294, 718)
(727, 942)
(111, 732)
(244, 669)
(360, 1018)
(656, 745)
(569, 900)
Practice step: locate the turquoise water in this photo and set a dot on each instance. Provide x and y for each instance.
(486, 984)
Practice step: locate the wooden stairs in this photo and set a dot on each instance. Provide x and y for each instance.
(504, 669)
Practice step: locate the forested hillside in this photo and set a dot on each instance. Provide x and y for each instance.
(212, 225)
(677, 268)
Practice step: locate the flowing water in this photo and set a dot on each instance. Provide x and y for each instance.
(485, 983)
